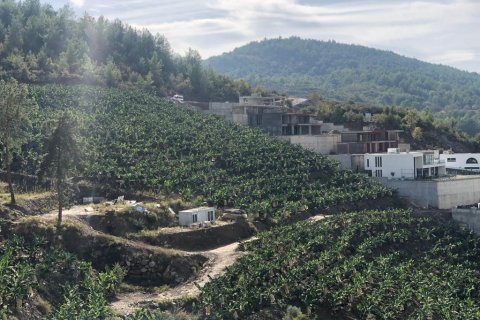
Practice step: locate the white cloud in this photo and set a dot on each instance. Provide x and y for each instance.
(440, 31)
(454, 56)
(78, 3)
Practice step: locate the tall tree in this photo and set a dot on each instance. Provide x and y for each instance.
(15, 111)
(62, 157)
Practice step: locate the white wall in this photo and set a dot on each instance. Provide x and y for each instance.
(460, 160)
(401, 164)
(185, 218)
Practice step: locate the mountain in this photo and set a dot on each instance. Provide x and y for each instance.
(350, 72)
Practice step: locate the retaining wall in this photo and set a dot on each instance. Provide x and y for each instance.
(443, 193)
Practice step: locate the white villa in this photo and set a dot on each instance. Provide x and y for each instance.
(462, 161)
(404, 165)
(196, 215)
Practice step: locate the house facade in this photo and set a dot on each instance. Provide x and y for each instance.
(196, 215)
(461, 161)
(404, 165)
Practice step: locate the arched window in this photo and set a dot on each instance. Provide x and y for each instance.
(471, 160)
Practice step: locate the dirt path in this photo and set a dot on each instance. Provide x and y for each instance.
(219, 260)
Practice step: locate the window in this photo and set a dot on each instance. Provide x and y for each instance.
(194, 218)
(378, 173)
(378, 162)
(210, 216)
(472, 161)
(259, 119)
(451, 159)
(368, 163)
(473, 168)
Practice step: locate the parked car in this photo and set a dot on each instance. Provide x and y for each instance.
(178, 98)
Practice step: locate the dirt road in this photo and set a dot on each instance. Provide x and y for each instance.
(126, 303)
(219, 260)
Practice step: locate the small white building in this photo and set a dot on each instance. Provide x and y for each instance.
(196, 215)
(462, 161)
(404, 165)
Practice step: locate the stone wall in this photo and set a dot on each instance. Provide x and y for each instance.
(469, 218)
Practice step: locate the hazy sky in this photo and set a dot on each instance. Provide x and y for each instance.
(441, 31)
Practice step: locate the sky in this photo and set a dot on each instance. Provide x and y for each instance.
(440, 31)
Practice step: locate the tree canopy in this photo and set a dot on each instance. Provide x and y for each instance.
(41, 45)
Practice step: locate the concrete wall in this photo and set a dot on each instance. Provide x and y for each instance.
(222, 109)
(468, 217)
(323, 144)
(344, 159)
(441, 193)
(328, 126)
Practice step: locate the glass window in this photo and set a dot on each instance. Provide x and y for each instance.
(472, 161)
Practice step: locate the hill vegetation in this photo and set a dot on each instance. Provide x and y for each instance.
(136, 141)
(351, 72)
(369, 265)
(110, 77)
(422, 129)
(37, 279)
(41, 45)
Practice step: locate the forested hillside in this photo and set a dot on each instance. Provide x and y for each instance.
(350, 72)
(41, 45)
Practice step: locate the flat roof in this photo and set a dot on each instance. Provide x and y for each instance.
(415, 153)
(193, 210)
(374, 131)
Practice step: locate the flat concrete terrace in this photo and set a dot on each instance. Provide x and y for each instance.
(442, 192)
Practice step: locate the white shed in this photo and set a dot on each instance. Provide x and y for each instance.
(196, 215)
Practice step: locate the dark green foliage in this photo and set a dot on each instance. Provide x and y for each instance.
(373, 265)
(146, 314)
(31, 272)
(136, 141)
(41, 45)
(350, 72)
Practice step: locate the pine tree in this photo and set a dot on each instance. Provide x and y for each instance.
(63, 156)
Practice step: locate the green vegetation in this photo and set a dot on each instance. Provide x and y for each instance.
(145, 314)
(372, 265)
(41, 45)
(38, 280)
(422, 129)
(63, 156)
(355, 73)
(349, 72)
(135, 141)
(15, 110)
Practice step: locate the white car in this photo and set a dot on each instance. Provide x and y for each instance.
(178, 98)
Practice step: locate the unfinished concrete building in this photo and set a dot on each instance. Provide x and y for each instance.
(371, 141)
